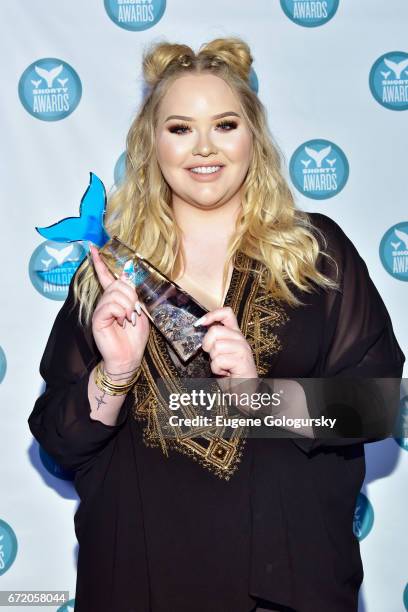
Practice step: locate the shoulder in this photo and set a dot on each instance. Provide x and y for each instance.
(330, 229)
(335, 242)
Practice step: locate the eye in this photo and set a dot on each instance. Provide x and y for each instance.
(181, 128)
(175, 129)
(231, 125)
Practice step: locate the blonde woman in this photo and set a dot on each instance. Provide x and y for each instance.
(206, 523)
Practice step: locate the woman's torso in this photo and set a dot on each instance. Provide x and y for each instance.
(178, 534)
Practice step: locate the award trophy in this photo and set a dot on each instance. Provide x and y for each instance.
(171, 309)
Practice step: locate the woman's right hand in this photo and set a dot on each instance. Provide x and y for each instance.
(122, 348)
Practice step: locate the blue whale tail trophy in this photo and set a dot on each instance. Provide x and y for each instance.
(171, 309)
(90, 223)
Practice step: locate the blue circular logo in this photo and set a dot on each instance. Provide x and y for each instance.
(54, 468)
(135, 15)
(69, 606)
(120, 169)
(8, 547)
(402, 439)
(394, 251)
(3, 364)
(50, 89)
(52, 266)
(319, 169)
(389, 80)
(405, 597)
(310, 13)
(363, 517)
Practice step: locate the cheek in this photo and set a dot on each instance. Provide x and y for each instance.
(170, 150)
(237, 146)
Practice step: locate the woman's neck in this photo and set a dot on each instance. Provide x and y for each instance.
(204, 226)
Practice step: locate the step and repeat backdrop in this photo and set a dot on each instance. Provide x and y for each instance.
(333, 76)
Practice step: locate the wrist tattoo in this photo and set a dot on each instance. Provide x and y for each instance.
(100, 399)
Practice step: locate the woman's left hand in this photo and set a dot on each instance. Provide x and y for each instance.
(228, 348)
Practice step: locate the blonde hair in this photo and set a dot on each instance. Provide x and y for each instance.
(269, 228)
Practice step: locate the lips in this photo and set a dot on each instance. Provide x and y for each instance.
(204, 165)
(205, 169)
(200, 170)
(205, 176)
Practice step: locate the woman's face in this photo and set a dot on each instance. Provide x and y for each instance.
(200, 124)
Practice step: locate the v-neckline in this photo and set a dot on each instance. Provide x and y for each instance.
(160, 375)
(227, 295)
(203, 297)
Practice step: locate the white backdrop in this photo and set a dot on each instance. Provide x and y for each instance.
(314, 82)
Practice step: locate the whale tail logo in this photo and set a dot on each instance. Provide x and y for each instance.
(396, 67)
(318, 156)
(89, 224)
(402, 236)
(49, 75)
(59, 255)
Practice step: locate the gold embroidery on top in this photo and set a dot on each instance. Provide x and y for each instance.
(260, 319)
(208, 445)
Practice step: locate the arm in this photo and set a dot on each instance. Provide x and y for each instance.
(61, 419)
(103, 406)
(360, 349)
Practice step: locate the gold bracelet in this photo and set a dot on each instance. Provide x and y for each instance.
(105, 383)
(109, 386)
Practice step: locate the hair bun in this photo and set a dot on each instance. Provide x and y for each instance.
(233, 52)
(160, 55)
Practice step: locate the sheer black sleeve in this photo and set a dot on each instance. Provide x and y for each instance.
(60, 420)
(359, 341)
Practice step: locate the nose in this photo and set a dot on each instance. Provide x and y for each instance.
(204, 145)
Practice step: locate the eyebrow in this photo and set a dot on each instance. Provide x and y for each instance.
(184, 118)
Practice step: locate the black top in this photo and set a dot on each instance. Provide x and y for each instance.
(212, 530)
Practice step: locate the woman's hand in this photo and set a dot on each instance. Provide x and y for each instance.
(231, 356)
(228, 348)
(120, 340)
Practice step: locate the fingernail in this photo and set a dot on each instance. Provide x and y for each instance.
(138, 308)
(199, 321)
(124, 323)
(133, 318)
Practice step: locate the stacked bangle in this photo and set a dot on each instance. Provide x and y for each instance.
(110, 386)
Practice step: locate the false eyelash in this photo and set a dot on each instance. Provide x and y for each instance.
(228, 123)
(233, 124)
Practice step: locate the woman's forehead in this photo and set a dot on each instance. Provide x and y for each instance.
(199, 93)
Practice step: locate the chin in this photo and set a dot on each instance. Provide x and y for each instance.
(206, 203)
(209, 199)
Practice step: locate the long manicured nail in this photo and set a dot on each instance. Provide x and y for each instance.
(133, 317)
(199, 321)
(138, 308)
